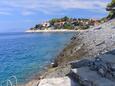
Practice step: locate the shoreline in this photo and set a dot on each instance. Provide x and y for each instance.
(45, 69)
(63, 30)
(85, 45)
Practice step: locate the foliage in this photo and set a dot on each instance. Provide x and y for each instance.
(112, 12)
(38, 26)
(54, 20)
(68, 26)
(57, 27)
(65, 18)
(32, 28)
(113, 3)
(85, 27)
(65, 23)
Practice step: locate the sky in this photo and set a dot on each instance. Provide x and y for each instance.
(20, 15)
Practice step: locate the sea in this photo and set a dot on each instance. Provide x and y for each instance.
(23, 55)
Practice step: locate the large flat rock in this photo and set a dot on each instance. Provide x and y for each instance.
(85, 74)
(63, 81)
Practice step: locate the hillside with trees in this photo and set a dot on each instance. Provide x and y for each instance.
(66, 23)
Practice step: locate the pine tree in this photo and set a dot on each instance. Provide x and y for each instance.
(111, 8)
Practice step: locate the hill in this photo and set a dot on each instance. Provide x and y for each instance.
(66, 23)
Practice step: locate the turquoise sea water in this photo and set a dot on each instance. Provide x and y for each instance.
(25, 54)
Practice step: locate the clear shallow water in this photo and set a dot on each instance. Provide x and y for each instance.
(24, 54)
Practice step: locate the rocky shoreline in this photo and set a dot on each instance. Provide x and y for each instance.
(89, 43)
(83, 50)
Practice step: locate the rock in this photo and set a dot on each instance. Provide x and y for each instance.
(61, 81)
(31, 83)
(74, 71)
(87, 83)
(98, 28)
(101, 71)
(54, 64)
(102, 68)
(93, 72)
(100, 43)
(81, 63)
(86, 77)
(113, 67)
(73, 38)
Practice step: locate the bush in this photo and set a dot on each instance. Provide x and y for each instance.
(65, 18)
(68, 26)
(32, 28)
(84, 27)
(38, 26)
(53, 21)
(112, 12)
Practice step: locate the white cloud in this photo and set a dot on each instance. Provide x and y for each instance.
(26, 13)
(5, 13)
(29, 7)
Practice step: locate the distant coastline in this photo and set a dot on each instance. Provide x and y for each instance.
(62, 30)
(64, 24)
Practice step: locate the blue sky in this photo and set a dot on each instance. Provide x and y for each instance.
(20, 15)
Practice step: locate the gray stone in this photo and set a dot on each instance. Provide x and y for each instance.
(86, 77)
(113, 67)
(81, 63)
(87, 83)
(61, 81)
(92, 72)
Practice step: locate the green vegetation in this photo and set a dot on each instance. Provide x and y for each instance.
(65, 18)
(85, 27)
(38, 26)
(68, 26)
(112, 11)
(112, 4)
(66, 23)
(54, 20)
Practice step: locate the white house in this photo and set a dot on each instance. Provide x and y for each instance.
(46, 24)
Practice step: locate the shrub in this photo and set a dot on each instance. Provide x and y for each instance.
(68, 26)
(112, 12)
(52, 21)
(65, 18)
(38, 26)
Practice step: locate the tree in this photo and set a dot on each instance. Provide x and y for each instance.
(32, 28)
(68, 26)
(38, 26)
(52, 21)
(112, 11)
(65, 18)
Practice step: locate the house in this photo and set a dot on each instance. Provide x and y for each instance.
(59, 23)
(46, 24)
